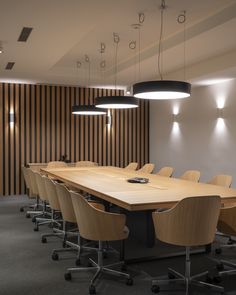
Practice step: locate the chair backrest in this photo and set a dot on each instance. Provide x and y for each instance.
(56, 164)
(95, 224)
(64, 198)
(41, 186)
(166, 171)
(51, 193)
(85, 164)
(33, 184)
(132, 166)
(221, 180)
(147, 168)
(191, 175)
(25, 172)
(227, 221)
(192, 222)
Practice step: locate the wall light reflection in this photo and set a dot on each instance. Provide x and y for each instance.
(220, 125)
(175, 128)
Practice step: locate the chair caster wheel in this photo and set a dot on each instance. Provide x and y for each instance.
(55, 256)
(218, 250)
(36, 229)
(155, 289)
(92, 289)
(44, 240)
(129, 282)
(67, 276)
(27, 215)
(217, 279)
(50, 225)
(104, 254)
(124, 267)
(209, 279)
(21, 209)
(220, 266)
(171, 276)
(77, 262)
(230, 242)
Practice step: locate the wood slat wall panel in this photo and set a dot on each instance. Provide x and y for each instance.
(1, 144)
(45, 129)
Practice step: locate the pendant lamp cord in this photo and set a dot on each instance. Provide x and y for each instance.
(87, 60)
(116, 39)
(102, 62)
(162, 7)
(181, 19)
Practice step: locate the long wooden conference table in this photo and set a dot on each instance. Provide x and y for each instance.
(110, 184)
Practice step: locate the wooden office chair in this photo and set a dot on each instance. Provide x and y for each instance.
(26, 176)
(227, 227)
(56, 221)
(25, 172)
(192, 222)
(56, 164)
(147, 168)
(45, 216)
(85, 164)
(69, 217)
(132, 166)
(166, 171)
(33, 188)
(98, 225)
(221, 180)
(191, 175)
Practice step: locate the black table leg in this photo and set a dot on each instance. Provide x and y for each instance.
(208, 248)
(150, 238)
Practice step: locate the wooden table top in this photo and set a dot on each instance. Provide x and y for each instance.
(110, 184)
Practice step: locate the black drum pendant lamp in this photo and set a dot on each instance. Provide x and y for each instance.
(162, 89)
(116, 102)
(90, 110)
(87, 110)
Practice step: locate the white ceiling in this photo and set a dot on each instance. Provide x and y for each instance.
(64, 31)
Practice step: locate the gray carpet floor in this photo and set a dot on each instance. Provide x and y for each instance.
(26, 267)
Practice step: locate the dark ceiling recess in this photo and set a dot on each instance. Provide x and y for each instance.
(24, 35)
(10, 65)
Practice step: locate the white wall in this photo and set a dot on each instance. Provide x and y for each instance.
(200, 140)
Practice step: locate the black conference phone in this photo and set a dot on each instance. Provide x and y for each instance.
(138, 180)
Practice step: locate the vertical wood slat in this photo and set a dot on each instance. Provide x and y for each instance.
(6, 111)
(72, 126)
(17, 144)
(1, 145)
(45, 129)
(11, 143)
(22, 133)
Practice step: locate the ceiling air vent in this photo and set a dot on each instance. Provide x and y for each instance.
(24, 35)
(9, 65)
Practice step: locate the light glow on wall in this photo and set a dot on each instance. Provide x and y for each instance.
(11, 119)
(175, 110)
(220, 102)
(220, 125)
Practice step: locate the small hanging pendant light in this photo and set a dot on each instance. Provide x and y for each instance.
(87, 110)
(116, 102)
(90, 110)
